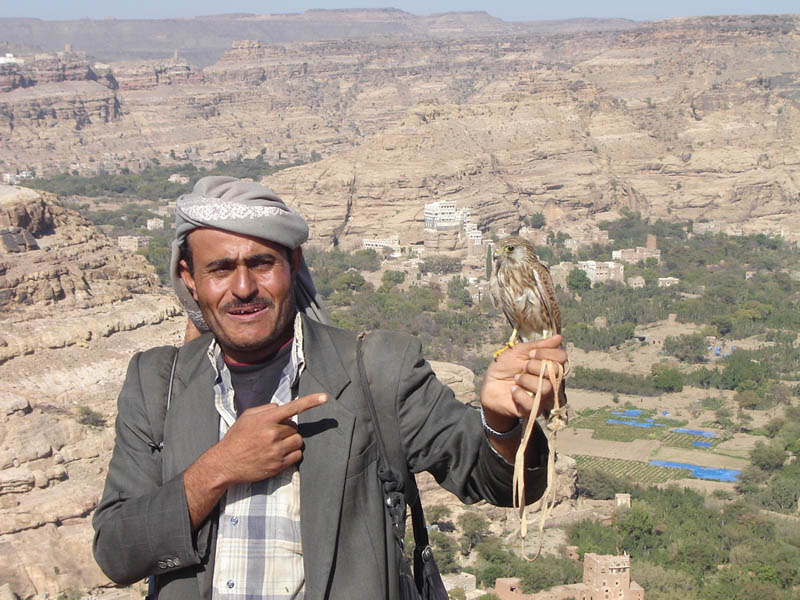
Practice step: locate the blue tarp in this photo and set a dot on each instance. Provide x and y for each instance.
(701, 472)
(702, 444)
(708, 434)
(631, 423)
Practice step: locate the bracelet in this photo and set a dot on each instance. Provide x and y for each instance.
(499, 434)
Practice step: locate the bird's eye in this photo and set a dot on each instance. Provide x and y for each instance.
(509, 248)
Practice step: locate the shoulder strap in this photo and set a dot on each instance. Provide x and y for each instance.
(396, 481)
(158, 404)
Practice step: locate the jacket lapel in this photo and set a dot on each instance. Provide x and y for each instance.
(327, 432)
(192, 423)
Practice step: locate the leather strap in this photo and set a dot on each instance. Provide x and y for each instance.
(397, 485)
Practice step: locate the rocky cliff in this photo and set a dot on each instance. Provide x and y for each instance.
(74, 308)
(685, 119)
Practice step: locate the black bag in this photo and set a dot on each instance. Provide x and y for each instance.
(400, 489)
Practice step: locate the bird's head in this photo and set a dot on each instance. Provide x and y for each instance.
(513, 251)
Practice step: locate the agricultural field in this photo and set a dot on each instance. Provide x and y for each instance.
(626, 425)
(633, 470)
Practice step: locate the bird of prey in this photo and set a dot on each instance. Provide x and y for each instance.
(522, 288)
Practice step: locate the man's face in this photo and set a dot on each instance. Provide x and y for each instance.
(245, 289)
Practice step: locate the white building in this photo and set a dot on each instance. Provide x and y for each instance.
(132, 243)
(602, 271)
(475, 237)
(634, 255)
(9, 178)
(637, 281)
(444, 214)
(392, 242)
(707, 227)
(155, 223)
(668, 281)
(177, 178)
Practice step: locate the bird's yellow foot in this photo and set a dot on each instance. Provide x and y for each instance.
(506, 346)
(513, 340)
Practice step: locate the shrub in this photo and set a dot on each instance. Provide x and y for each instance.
(90, 417)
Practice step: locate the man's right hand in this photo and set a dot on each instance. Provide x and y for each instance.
(264, 440)
(261, 443)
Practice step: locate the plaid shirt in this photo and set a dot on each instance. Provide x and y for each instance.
(259, 552)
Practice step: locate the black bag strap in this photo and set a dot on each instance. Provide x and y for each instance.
(400, 487)
(163, 361)
(161, 405)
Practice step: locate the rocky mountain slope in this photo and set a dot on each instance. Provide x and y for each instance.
(690, 119)
(74, 308)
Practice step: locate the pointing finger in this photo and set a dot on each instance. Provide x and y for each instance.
(297, 406)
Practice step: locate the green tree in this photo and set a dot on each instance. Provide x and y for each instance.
(768, 457)
(600, 485)
(440, 265)
(457, 293)
(474, 528)
(666, 378)
(445, 551)
(489, 262)
(687, 348)
(438, 513)
(747, 399)
(537, 220)
(578, 281)
(391, 278)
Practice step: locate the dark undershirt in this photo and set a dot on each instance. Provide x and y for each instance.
(254, 385)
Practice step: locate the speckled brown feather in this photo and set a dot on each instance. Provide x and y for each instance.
(522, 288)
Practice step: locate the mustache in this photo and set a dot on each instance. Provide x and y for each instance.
(257, 303)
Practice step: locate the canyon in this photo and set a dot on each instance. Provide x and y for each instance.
(695, 118)
(683, 119)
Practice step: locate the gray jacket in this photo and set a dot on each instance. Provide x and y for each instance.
(142, 523)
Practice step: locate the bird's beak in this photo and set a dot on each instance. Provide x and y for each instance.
(495, 255)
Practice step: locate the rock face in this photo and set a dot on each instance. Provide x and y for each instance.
(684, 119)
(73, 310)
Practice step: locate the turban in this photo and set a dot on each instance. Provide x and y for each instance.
(246, 208)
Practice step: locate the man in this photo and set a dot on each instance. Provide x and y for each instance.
(265, 485)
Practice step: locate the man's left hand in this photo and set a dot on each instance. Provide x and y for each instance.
(512, 380)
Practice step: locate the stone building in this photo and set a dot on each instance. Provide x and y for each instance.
(707, 227)
(634, 255)
(392, 242)
(668, 281)
(637, 281)
(603, 271)
(132, 243)
(155, 223)
(444, 215)
(605, 577)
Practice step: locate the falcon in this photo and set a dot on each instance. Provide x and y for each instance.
(522, 288)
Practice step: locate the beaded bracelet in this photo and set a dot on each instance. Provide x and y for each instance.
(499, 434)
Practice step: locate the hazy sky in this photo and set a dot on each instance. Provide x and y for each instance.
(515, 10)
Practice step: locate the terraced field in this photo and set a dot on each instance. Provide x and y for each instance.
(626, 425)
(633, 470)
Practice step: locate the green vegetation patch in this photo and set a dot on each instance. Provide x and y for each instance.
(632, 470)
(687, 440)
(597, 420)
(152, 182)
(682, 547)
